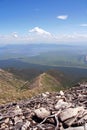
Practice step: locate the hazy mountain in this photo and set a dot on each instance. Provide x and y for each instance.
(44, 54)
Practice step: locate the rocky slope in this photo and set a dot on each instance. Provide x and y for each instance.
(48, 111)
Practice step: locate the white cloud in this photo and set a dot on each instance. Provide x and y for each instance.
(83, 25)
(39, 31)
(15, 35)
(62, 17)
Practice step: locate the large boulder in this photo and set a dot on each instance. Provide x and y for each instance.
(42, 113)
(61, 104)
(70, 113)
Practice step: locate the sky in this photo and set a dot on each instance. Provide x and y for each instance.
(43, 21)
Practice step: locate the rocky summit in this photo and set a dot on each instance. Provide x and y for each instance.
(48, 111)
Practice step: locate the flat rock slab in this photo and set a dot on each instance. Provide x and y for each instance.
(77, 128)
(61, 105)
(70, 113)
(42, 113)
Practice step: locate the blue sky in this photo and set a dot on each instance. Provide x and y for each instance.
(43, 21)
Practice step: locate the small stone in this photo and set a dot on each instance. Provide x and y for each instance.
(44, 95)
(47, 93)
(6, 121)
(61, 104)
(26, 125)
(57, 97)
(10, 122)
(3, 126)
(18, 126)
(61, 93)
(33, 122)
(35, 128)
(23, 117)
(17, 119)
(42, 113)
(11, 128)
(18, 110)
(1, 117)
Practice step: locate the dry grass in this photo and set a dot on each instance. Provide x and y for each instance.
(12, 89)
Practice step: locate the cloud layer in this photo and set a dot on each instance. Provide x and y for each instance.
(39, 35)
(83, 25)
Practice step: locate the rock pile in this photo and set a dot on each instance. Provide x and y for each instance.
(48, 111)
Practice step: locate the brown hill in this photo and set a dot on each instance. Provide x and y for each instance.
(45, 82)
(9, 86)
(12, 89)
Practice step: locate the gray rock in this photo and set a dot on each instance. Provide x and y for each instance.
(42, 113)
(61, 104)
(1, 117)
(61, 93)
(18, 126)
(70, 113)
(18, 110)
(26, 125)
(17, 119)
(44, 95)
(6, 120)
(77, 128)
(47, 93)
(3, 126)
